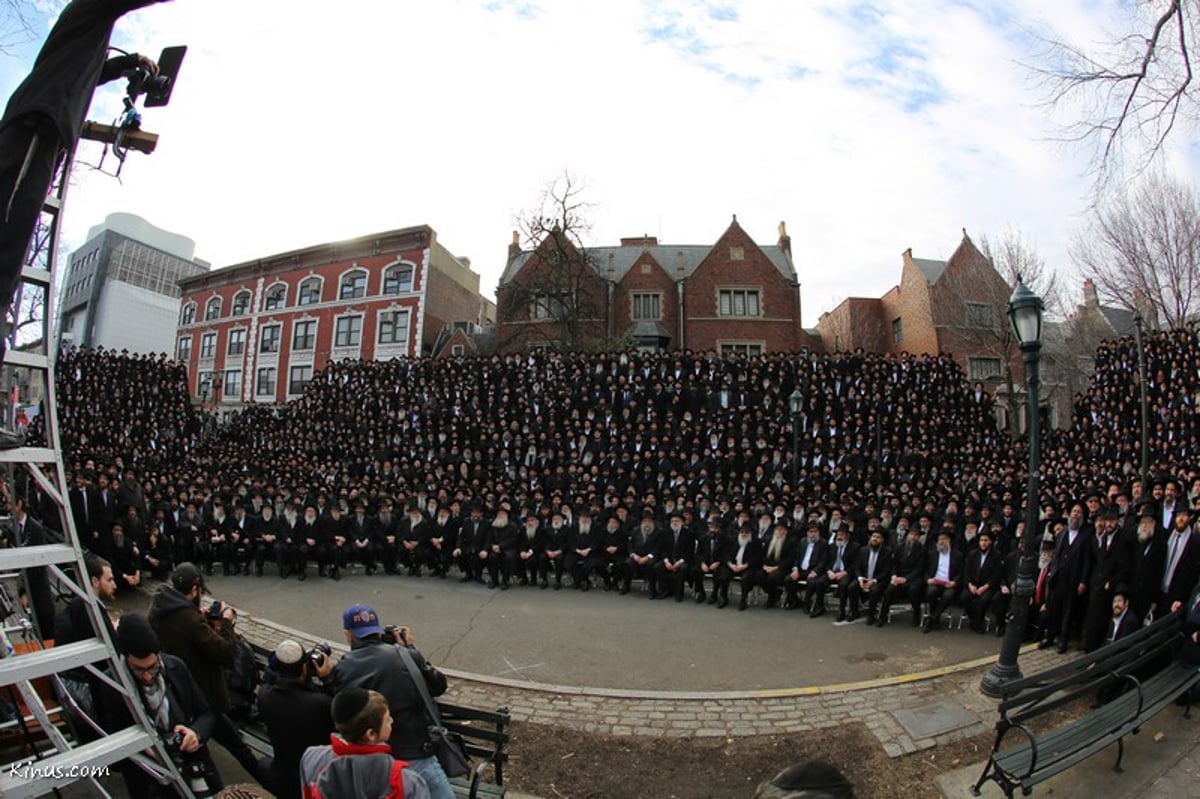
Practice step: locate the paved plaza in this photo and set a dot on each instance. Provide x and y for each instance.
(607, 664)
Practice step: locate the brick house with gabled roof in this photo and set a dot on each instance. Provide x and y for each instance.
(957, 306)
(734, 296)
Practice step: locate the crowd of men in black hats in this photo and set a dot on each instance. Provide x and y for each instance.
(890, 487)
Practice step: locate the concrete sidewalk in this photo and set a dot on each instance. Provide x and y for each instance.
(1163, 760)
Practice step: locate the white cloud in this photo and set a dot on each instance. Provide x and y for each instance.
(869, 128)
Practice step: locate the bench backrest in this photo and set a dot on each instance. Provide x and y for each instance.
(1063, 684)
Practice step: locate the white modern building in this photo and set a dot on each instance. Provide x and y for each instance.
(122, 287)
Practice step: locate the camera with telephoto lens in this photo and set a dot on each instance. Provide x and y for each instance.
(319, 654)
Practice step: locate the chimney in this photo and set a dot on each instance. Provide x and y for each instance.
(514, 249)
(644, 241)
(1090, 297)
(785, 241)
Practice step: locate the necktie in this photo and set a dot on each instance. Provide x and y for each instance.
(871, 565)
(838, 565)
(1172, 560)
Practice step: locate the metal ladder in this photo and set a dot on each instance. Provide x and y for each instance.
(66, 761)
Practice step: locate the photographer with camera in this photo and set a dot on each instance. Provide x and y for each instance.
(205, 641)
(42, 122)
(295, 710)
(173, 702)
(375, 663)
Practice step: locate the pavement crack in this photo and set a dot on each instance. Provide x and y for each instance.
(469, 628)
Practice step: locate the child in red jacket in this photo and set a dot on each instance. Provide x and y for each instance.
(358, 763)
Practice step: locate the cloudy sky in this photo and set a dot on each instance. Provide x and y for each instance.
(869, 127)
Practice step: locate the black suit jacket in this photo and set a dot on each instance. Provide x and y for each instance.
(849, 557)
(1146, 569)
(956, 566)
(910, 562)
(673, 548)
(1130, 623)
(987, 572)
(884, 564)
(816, 561)
(1187, 570)
(1072, 563)
(1114, 565)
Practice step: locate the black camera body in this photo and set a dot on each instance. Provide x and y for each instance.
(395, 634)
(157, 88)
(319, 654)
(214, 611)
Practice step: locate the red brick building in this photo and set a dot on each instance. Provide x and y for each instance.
(956, 307)
(731, 296)
(257, 331)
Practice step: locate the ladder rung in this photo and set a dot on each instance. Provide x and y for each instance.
(32, 360)
(39, 777)
(24, 557)
(33, 274)
(27, 455)
(53, 204)
(56, 659)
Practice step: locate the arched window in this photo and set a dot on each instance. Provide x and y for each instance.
(212, 310)
(276, 297)
(398, 279)
(241, 303)
(310, 292)
(353, 285)
(189, 313)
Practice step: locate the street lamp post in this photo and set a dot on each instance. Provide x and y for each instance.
(795, 403)
(1025, 312)
(1145, 464)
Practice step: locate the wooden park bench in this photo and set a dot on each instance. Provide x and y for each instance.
(1139, 675)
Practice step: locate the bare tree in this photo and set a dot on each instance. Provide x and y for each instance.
(16, 24)
(557, 297)
(1130, 93)
(1142, 250)
(1016, 259)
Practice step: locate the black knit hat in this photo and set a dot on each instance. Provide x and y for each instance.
(348, 703)
(136, 637)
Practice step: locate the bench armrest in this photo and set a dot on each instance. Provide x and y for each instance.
(1033, 748)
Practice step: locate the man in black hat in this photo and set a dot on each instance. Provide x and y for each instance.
(1181, 568)
(1113, 555)
(172, 700)
(943, 569)
(470, 550)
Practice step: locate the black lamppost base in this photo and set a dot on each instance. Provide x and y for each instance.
(997, 677)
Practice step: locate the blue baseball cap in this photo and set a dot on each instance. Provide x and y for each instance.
(361, 621)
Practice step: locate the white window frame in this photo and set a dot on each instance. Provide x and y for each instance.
(313, 343)
(301, 301)
(348, 280)
(353, 334)
(264, 339)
